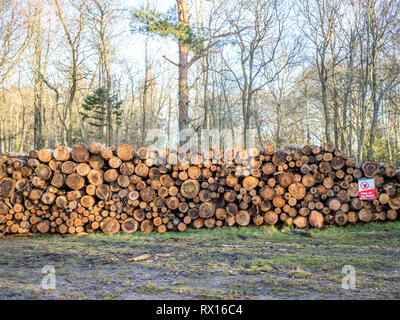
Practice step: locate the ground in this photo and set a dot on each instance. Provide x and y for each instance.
(232, 263)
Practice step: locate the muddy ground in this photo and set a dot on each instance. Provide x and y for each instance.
(232, 263)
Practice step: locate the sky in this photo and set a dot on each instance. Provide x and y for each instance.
(134, 46)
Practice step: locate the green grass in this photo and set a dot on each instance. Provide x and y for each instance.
(299, 273)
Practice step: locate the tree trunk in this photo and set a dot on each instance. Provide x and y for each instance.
(183, 90)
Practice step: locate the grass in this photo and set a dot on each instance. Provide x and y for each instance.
(299, 273)
(262, 263)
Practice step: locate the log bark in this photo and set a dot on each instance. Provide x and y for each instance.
(80, 153)
(316, 219)
(110, 225)
(125, 152)
(86, 189)
(130, 225)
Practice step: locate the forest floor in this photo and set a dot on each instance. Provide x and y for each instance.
(232, 263)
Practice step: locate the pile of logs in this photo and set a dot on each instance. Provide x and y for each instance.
(84, 189)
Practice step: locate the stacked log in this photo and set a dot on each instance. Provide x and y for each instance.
(111, 189)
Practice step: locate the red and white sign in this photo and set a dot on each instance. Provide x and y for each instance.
(366, 189)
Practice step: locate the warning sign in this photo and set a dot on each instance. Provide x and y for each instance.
(366, 189)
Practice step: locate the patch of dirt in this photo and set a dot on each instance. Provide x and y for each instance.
(200, 265)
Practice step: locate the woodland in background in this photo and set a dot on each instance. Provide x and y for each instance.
(297, 72)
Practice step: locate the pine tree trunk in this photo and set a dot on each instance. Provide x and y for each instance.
(183, 94)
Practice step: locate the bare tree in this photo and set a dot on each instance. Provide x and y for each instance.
(258, 46)
(15, 27)
(320, 19)
(383, 23)
(73, 32)
(102, 16)
(38, 57)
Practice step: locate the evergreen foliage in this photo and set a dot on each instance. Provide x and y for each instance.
(166, 25)
(95, 109)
